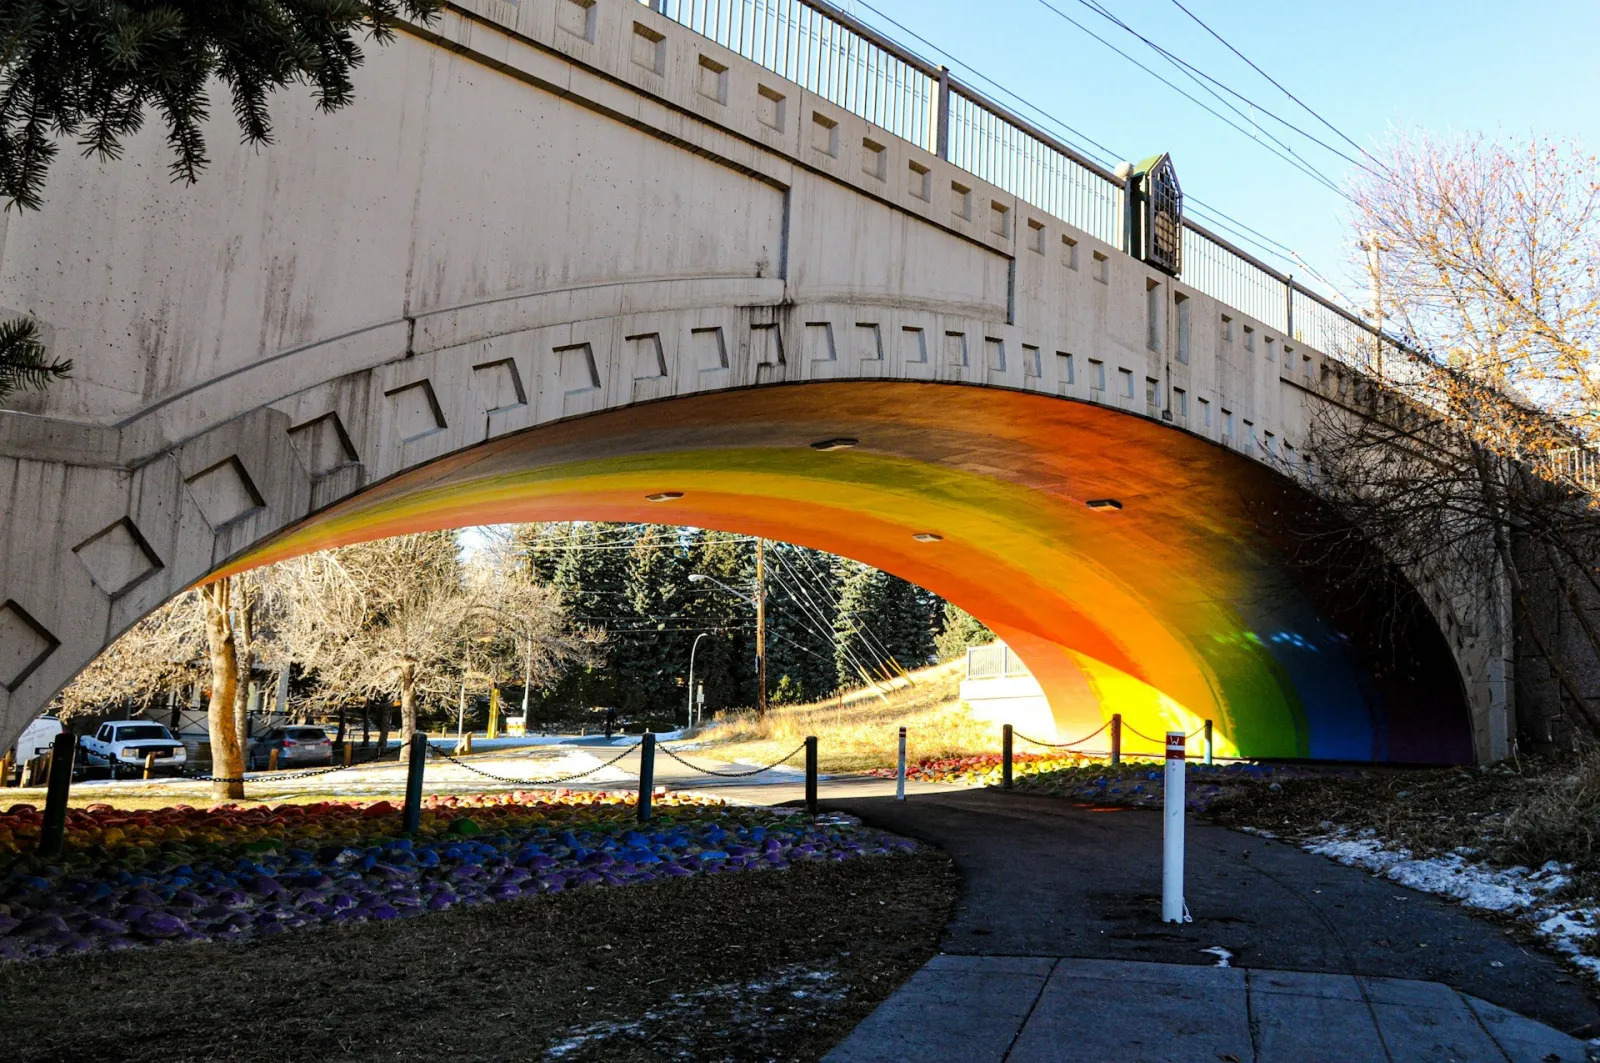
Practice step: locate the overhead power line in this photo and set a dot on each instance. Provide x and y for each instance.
(1286, 155)
(1100, 153)
(1279, 85)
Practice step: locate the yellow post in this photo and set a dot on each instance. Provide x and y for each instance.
(272, 759)
(348, 750)
(149, 765)
(494, 712)
(8, 764)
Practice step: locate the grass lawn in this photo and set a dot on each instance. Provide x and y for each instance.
(862, 733)
(771, 966)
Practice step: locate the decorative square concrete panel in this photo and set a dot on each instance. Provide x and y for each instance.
(24, 645)
(117, 557)
(224, 492)
(323, 444)
(416, 410)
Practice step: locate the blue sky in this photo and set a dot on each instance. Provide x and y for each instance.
(1367, 66)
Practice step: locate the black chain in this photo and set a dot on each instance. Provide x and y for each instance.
(529, 782)
(1061, 745)
(732, 774)
(261, 776)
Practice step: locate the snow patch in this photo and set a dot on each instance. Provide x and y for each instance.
(751, 1004)
(1518, 891)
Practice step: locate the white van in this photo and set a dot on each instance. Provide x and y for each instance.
(36, 738)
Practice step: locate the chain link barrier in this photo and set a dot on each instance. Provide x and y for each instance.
(274, 776)
(458, 762)
(1061, 745)
(734, 774)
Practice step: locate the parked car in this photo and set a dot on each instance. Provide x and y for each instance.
(296, 746)
(123, 745)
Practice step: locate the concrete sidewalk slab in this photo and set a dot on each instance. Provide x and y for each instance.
(957, 1009)
(1093, 1009)
(975, 1009)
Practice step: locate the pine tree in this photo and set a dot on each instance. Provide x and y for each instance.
(88, 71)
(961, 630)
(725, 662)
(801, 605)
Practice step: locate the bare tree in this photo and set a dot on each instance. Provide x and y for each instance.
(1462, 449)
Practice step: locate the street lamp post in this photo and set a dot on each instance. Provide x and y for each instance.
(690, 717)
(759, 600)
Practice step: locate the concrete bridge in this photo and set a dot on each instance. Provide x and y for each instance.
(573, 259)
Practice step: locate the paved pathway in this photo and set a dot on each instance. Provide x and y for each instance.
(1049, 885)
(1028, 1009)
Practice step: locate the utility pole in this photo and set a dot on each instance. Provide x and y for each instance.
(1373, 246)
(761, 628)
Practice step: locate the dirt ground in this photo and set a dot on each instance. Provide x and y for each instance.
(764, 966)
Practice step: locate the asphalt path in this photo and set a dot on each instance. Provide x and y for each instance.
(1048, 877)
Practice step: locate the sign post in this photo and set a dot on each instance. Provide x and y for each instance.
(1173, 910)
(900, 775)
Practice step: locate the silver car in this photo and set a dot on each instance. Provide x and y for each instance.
(297, 747)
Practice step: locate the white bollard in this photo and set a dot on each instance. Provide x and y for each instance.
(900, 776)
(1173, 910)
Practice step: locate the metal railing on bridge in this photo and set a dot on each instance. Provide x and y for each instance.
(994, 661)
(831, 53)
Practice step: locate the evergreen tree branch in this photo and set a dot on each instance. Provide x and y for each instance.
(22, 359)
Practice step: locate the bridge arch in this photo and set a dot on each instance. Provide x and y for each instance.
(533, 275)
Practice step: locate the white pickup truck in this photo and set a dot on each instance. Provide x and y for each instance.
(123, 745)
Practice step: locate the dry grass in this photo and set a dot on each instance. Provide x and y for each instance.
(863, 733)
(1527, 812)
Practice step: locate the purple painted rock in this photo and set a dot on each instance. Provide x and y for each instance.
(101, 925)
(342, 901)
(38, 926)
(272, 930)
(233, 898)
(8, 924)
(321, 911)
(514, 874)
(131, 913)
(117, 944)
(384, 912)
(159, 925)
(675, 871)
(308, 897)
(463, 872)
(265, 886)
(504, 891)
(441, 901)
(589, 878)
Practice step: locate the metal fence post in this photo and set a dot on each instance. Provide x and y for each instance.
(1173, 909)
(411, 819)
(900, 774)
(1211, 748)
(811, 775)
(1005, 756)
(53, 831)
(943, 132)
(647, 774)
(1116, 738)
